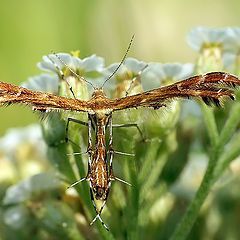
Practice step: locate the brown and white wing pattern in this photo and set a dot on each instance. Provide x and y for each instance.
(210, 88)
(39, 101)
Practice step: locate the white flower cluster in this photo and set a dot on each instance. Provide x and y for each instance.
(227, 38)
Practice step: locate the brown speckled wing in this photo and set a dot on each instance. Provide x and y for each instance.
(10, 94)
(211, 88)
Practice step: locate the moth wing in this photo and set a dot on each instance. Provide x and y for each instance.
(210, 88)
(10, 94)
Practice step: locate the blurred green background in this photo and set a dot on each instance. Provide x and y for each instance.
(29, 29)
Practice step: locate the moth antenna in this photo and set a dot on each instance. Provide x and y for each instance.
(135, 78)
(62, 76)
(122, 61)
(74, 73)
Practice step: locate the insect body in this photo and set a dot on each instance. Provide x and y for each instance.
(98, 176)
(100, 173)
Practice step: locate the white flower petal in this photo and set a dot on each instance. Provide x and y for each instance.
(15, 136)
(43, 83)
(22, 191)
(93, 63)
(134, 65)
(228, 60)
(152, 76)
(186, 71)
(16, 217)
(17, 193)
(157, 72)
(199, 36)
(46, 66)
(77, 63)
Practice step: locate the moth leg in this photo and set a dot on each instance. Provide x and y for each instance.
(122, 181)
(89, 125)
(62, 76)
(79, 181)
(67, 126)
(130, 125)
(98, 213)
(89, 149)
(123, 153)
(134, 79)
(111, 152)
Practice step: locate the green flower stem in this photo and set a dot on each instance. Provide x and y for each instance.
(228, 156)
(191, 214)
(151, 199)
(153, 177)
(149, 158)
(210, 124)
(132, 209)
(83, 186)
(57, 156)
(230, 126)
(214, 170)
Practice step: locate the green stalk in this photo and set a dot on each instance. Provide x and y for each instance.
(230, 126)
(228, 156)
(215, 166)
(209, 118)
(192, 212)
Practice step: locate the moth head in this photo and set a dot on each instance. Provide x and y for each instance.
(98, 93)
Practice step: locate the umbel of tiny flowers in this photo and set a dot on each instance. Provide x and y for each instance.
(157, 75)
(126, 79)
(45, 82)
(14, 137)
(17, 148)
(82, 67)
(216, 47)
(234, 52)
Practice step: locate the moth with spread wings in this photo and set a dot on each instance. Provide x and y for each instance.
(211, 88)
